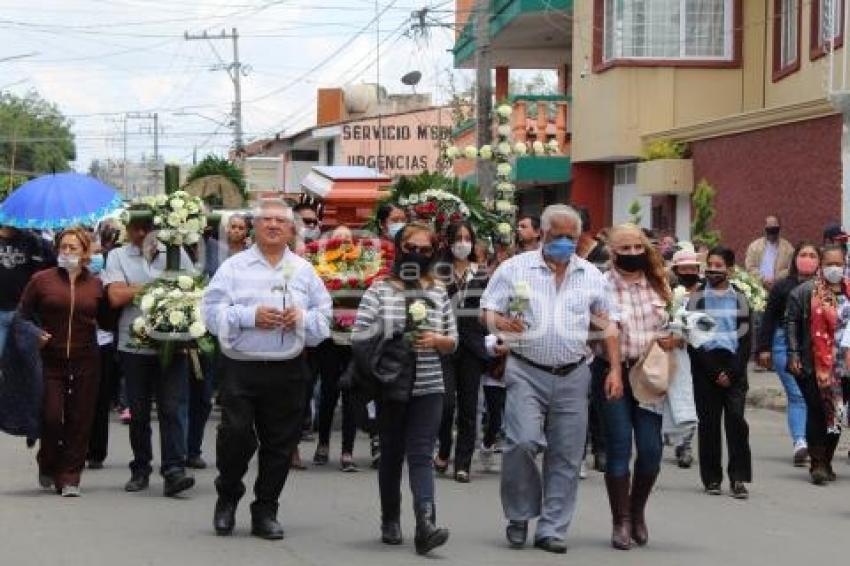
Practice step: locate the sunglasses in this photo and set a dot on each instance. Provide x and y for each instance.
(310, 221)
(422, 250)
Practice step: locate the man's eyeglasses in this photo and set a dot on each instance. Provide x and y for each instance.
(422, 250)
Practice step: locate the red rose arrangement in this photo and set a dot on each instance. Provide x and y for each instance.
(350, 265)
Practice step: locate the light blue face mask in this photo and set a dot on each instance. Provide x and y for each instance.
(560, 249)
(394, 229)
(96, 264)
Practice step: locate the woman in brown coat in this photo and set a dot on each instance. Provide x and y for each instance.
(66, 302)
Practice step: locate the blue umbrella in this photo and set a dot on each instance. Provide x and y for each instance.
(57, 201)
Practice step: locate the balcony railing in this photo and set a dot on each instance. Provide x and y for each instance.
(541, 117)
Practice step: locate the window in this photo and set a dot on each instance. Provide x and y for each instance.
(686, 30)
(625, 174)
(786, 38)
(304, 155)
(827, 26)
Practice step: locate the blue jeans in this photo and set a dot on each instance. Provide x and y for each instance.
(5, 323)
(146, 379)
(796, 411)
(623, 418)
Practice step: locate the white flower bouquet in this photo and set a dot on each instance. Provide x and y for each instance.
(178, 217)
(171, 314)
(751, 288)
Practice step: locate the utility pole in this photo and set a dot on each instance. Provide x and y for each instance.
(126, 182)
(483, 96)
(378, 79)
(235, 70)
(144, 116)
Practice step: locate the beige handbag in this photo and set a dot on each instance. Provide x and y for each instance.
(650, 378)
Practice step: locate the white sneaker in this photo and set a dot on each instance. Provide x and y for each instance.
(486, 457)
(582, 472)
(71, 491)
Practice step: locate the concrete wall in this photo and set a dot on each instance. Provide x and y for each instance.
(792, 170)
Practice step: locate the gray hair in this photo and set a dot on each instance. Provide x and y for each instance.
(559, 211)
(262, 205)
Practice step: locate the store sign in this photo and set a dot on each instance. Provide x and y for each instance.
(405, 144)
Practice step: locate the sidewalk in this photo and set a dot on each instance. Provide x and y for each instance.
(766, 390)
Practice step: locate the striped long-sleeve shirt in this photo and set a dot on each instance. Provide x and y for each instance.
(382, 309)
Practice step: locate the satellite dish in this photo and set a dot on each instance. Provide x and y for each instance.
(412, 78)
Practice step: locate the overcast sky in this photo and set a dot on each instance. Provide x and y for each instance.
(98, 59)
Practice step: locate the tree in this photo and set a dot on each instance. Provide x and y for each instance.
(704, 211)
(213, 165)
(636, 213)
(35, 137)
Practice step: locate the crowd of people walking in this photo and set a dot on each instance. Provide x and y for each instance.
(564, 341)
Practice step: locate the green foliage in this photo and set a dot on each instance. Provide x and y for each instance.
(34, 135)
(665, 149)
(635, 212)
(704, 212)
(213, 165)
(9, 183)
(481, 218)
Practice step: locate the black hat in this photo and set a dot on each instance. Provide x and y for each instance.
(834, 232)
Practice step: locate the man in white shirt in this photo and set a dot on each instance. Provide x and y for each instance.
(543, 304)
(265, 305)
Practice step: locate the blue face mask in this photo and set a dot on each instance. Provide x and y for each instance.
(560, 249)
(96, 264)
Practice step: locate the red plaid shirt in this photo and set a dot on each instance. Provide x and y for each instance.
(639, 311)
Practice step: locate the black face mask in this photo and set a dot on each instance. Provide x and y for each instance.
(668, 255)
(412, 266)
(632, 263)
(772, 231)
(688, 280)
(716, 277)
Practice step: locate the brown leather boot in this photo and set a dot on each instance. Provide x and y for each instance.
(641, 488)
(618, 497)
(817, 469)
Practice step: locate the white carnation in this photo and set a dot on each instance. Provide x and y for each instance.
(538, 147)
(177, 204)
(185, 282)
(418, 311)
(139, 325)
(471, 152)
(505, 110)
(192, 238)
(147, 303)
(520, 148)
(504, 169)
(197, 329)
(504, 130)
(504, 148)
(176, 318)
(486, 152)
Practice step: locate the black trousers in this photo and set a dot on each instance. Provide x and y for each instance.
(407, 429)
(494, 396)
(333, 360)
(262, 407)
(714, 405)
(107, 392)
(816, 435)
(462, 386)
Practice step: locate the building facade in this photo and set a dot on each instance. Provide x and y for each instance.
(745, 83)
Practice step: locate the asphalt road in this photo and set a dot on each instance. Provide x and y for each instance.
(331, 518)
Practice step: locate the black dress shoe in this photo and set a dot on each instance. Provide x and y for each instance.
(196, 463)
(551, 544)
(225, 516)
(266, 528)
(391, 533)
(176, 483)
(517, 533)
(138, 482)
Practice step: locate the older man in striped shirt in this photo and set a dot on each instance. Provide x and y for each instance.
(543, 304)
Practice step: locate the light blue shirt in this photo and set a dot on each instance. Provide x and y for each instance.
(558, 319)
(246, 281)
(722, 306)
(128, 265)
(767, 269)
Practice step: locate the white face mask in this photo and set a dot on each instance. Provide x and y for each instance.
(461, 250)
(312, 233)
(833, 274)
(394, 228)
(68, 262)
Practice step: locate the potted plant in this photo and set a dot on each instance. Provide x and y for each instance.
(665, 170)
